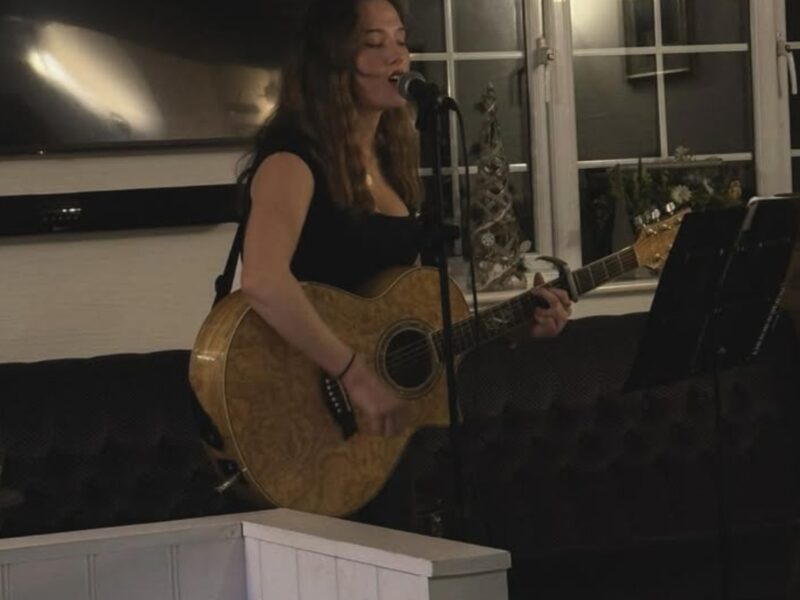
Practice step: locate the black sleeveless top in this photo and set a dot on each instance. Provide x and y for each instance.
(336, 246)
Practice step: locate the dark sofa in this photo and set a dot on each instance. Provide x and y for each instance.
(615, 494)
(595, 493)
(100, 442)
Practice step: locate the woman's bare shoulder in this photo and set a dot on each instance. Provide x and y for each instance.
(282, 171)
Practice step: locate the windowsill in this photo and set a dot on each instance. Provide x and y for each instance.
(614, 289)
(621, 288)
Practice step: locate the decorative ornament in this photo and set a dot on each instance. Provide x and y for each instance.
(497, 249)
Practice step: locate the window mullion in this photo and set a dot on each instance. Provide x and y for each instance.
(562, 128)
(661, 90)
(770, 109)
(537, 73)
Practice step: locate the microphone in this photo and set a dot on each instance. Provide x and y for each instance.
(414, 87)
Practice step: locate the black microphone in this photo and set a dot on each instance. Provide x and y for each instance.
(414, 87)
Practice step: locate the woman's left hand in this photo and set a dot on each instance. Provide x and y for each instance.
(548, 322)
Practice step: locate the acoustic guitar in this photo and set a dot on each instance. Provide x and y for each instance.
(284, 432)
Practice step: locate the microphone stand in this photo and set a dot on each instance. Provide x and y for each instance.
(430, 115)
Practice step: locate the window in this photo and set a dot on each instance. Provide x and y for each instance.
(662, 87)
(664, 110)
(464, 45)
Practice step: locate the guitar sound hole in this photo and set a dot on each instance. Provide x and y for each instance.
(408, 358)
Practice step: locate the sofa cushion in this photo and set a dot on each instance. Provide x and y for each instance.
(105, 441)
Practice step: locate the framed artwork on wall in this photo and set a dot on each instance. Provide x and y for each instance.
(639, 27)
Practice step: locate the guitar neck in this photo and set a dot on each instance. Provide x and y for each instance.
(502, 318)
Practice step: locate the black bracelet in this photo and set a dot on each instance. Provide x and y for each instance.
(347, 368)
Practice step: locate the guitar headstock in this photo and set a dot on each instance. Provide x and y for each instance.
(655, 240)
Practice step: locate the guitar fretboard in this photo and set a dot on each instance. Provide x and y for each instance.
(505, 316)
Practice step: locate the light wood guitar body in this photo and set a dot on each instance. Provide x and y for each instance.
(282, 425)
(267, 402)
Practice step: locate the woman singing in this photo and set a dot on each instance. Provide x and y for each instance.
(334, 191)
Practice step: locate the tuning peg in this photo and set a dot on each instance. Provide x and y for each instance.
(670, 208)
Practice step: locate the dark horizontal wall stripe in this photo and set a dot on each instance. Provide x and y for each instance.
(118, 209)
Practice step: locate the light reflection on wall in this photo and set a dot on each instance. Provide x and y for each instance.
(99, 75)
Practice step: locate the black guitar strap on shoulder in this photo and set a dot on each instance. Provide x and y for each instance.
(222, 286)
(224, 282)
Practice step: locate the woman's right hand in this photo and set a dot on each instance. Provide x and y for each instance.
(382, 412)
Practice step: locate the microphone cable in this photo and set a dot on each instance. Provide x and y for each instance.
(466, 222)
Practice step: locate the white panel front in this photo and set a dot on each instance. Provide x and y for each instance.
(134, 575)
(394, 585)
(212, 570)
(317, 576)
(278, 572)
(356, 581)
(50, 579)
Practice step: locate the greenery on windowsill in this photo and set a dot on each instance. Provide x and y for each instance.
(647, 191)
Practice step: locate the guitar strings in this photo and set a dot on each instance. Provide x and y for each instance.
(415, 350)
(462, 331)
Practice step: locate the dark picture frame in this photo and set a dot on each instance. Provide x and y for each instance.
(639, 28)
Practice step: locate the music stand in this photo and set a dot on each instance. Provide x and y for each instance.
(717, 300)
(718, 294)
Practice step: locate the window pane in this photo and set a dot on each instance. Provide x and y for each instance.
(793, 20)
(617, 109)
(705, 21)
(612, 23)
(794, 109)
(487, 25)
(611, 198)
(510, 84)
(522, 193)
(426, 26)
(709, 106)
(519, 185)
(796, 175)
(433, 71)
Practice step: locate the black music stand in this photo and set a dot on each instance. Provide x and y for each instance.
(717, 297)
(716, 302)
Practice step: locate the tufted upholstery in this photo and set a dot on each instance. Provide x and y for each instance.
(103, 441)
(593, 490)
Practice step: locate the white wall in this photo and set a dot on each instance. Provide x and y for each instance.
(96, 293)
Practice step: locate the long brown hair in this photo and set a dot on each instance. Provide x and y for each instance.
(318, 94)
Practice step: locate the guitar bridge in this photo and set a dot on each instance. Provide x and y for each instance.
(335, 398)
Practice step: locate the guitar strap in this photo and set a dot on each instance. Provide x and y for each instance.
(222, 286)
(224, 281)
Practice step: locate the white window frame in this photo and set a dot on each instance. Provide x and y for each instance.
(558, 207)
(770, 97)
(554, 165)
(558, 216)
